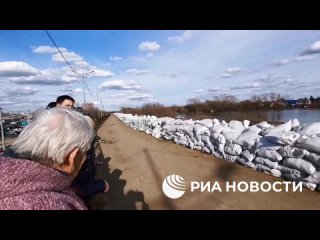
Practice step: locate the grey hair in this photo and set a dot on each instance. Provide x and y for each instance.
(53, 135)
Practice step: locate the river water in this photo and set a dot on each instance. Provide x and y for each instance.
(303, 115)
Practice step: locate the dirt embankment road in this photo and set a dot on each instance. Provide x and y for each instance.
(136, 164)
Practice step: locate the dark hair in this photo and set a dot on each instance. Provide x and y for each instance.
(51, 105)
(60, 99)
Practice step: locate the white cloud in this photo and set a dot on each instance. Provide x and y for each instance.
(77, 90)
(23, 91)
(208, 90)
(115, 58)
(234, 70)
(137, 59)
(248, 85)
(181, 38)
(227, 75)
(313, 49)
(170, 75)
(149, 46)
(120, 85)
(137, 72)
(231, 72)
(70, 56)
(140, 97)
(4, 103)
(101, 73)
(46, 77)
(16, 69)
(47, 49)
(280, 62)
(304, 58)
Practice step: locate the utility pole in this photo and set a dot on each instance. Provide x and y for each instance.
(83, 76)
(2, 131)
(28, 116)
(97, 103)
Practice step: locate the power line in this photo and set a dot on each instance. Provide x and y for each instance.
(54, 43)
(88, 88)
(74, 71)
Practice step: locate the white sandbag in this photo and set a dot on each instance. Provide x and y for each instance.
(230, 134)
(224, 123)
(285, 127)
(167, 121)
(275, 172)
(246, 123)
(286, 151)
(295, 123)
(207, 143)
(311, 144)
(292, 177)
(156, 135)
(269, 154)
(191, 144)
(310, 129)
(205, 149)
(206, 122)
(148, 131)
(288, 138)
(247, 155)
(215, 121)
(168, 137)
(299, 164)
(218, 128)
(313, 157)
(231, 158)
(217, 154)
(314, 178)
(220, 150)
(184, 128)
(217, 139)
(188, 122)
(178, 121)
(246, 163)
(299, 153)
(181, 142)
(232, 149)
(264, 125)
(247, 140)
(266, 162)
(197, 148)
(288, 170)
(264, 143)
(200, 130)
(263, 168)
(169, 128)
(236, 125)
(311, 186)
(254, 129)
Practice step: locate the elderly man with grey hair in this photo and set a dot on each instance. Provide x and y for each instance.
(47, 155)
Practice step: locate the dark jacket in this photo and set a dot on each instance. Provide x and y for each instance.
(28, 185)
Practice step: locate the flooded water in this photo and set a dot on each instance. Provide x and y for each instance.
(303, 115)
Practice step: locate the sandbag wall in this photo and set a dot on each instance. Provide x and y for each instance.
(289, 150)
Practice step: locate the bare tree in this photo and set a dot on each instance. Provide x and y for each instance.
(193, 101)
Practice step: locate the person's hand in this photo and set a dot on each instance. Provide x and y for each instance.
(107, 186)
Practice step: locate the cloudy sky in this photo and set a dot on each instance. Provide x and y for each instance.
(130, 68)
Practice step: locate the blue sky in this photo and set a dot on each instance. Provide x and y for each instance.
(130, 68)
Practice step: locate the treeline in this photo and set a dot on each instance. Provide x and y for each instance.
(223, 106)
(155, 109)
